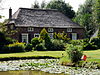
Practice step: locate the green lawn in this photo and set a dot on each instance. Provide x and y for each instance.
(93, 55)
(56, 54)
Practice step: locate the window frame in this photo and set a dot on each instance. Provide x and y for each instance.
(30, 29)
(75, 37)
(51, 37)
(27, 37)
(36, 34)
(50, 30)
(69, 29)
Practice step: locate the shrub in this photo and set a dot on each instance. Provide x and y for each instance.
(57, 45)
(96, 41)
(2, 39)
(10, 40)
(74, 52)
(16, 47)
(28, 47)
(5, 49)
(40, 47)
(43, 33)
(76, 42)
(48, 42)
(61, 36)
(35, 41)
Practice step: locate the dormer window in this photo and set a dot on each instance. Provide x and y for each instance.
(69, 29)
(50, 29)
(30, 29)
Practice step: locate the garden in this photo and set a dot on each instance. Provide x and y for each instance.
(58, 55)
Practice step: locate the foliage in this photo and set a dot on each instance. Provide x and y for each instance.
(96, 42)
(10, 41)
(76, 42)
(48, 42)
(74, 52)
(57, 45)
(40, 47)
(88, 45)
(35, 41)
(61, 36)
(63, 7)
(84, 17)
(43, 33)
(96, 13)
(28, 47)
(35, 5)
(2, 39)
(16, 47)
(43, 4)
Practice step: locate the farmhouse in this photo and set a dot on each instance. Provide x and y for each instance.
(30, 22)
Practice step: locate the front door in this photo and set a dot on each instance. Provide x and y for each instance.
(74, 36)
(25, 37)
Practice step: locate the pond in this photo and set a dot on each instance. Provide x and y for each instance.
(27, 73)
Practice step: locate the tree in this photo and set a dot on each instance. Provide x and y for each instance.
(84, 17)
(43, 4)
(63, 7)
(44, 36)
(35, 5)
(96, 15)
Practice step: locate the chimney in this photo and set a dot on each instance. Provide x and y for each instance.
(10, 13)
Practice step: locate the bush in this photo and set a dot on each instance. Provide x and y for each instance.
(74, 52)
(96, 42)
(76, 42)
(10, 40)
(35, 41)
(48, 42)
(40, 47)
(87, 45)
(57, 45)
(28, 47)
(16, 47)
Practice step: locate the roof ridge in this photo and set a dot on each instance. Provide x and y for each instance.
(39, 9)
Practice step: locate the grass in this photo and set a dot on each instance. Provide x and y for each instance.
(56, 54)
(93, 55)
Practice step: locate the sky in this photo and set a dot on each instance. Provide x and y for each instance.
(15, 4)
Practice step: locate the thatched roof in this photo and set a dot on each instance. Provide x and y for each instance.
(42, 18)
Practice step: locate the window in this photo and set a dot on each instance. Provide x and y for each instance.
(50, 29)
(36, 34)
(69, 29)
(51, 35)
(74, 36)
(25, 37)
(12, 27)
(30, 29)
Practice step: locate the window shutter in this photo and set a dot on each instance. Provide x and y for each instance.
(29, 38)
(70, 36)
(20, 38)
(77, 36)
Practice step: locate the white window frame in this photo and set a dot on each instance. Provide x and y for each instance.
(30, 29)
(25, 34)
(50, 29)
(51, 35)
(36, 34)
(11, 26)
(74, 36)
(69, 29)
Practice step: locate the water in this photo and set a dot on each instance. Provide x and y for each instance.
(27, 73)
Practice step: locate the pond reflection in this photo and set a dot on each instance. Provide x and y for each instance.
(27, 73)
